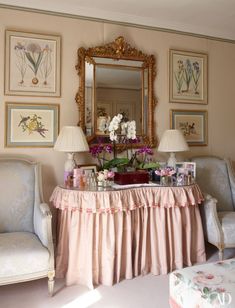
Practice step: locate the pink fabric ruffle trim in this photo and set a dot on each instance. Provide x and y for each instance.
(126, 199)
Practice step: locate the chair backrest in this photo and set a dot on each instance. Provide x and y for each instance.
(17, 195)
(212, 177)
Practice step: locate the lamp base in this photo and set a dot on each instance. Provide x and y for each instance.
(70, 163)
(172, 160)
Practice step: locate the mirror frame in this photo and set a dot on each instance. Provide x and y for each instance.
(118, 49)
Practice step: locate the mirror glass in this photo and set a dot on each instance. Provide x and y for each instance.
(112, 84)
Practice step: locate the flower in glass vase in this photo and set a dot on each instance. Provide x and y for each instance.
(165, 174)
(105, 177)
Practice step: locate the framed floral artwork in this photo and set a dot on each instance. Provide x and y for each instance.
(32, 64)
(31, 125)
(192, 123)
(188, 77)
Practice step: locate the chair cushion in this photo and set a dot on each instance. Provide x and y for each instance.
(17, 191)
(21, 253)
(227, 220)
(212, 177)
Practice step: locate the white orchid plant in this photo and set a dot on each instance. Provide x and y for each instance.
(122, 132)
(127, 128)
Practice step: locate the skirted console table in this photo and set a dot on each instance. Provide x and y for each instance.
(106, 236)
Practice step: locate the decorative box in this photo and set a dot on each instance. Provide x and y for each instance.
(132, 177)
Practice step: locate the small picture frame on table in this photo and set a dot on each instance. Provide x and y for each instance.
(186, 168)
(88, 169)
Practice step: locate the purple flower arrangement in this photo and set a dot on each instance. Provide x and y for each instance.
(99, 152)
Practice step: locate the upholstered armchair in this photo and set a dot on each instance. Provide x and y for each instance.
(26, 246)
(216, 179)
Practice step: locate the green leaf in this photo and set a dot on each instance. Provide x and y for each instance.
(213, 296)
(206, 290)
(38, 62)
(150, 165)
(116, 162)
(28, 55)
(179, 276)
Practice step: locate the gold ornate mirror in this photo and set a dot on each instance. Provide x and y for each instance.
(116, 78)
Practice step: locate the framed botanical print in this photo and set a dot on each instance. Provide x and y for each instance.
(31, 125)
(192, 123)
(32, 64)
(188, 77)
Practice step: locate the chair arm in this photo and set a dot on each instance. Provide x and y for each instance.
(211, 224)
(231, 178)
(42, 227)
(45, 209)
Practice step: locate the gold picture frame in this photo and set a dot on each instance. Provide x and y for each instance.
(192, 123)
(121, 56)
(188, 77)
(32, 64)
(31, 125)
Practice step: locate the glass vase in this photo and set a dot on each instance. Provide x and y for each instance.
(164, 180)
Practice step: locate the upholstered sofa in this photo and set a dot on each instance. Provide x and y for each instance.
(26, 246)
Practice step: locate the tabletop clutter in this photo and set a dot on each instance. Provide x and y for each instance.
(164, 176)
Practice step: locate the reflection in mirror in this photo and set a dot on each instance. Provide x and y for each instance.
(115, 80)
(118, 90)
(89, 90)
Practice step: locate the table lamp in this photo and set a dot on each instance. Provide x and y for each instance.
(71, 139)
(172, 141)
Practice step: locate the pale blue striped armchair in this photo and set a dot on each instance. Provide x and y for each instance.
(26, 246)
(216, 179)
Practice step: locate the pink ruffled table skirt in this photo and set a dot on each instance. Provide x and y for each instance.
(107, 236)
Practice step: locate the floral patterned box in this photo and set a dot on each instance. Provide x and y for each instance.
(205, 286)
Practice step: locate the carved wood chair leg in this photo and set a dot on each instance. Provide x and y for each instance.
(221, 254)
(51, 282)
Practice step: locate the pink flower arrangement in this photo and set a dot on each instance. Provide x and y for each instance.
(105, 175)
(167, 171)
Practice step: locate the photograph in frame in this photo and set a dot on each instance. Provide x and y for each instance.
(188, 77)
(88, 169)
(31, 125)
(192, 123)
(191, 168)
(32, 64)
(187, 167)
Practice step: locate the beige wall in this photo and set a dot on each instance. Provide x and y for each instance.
(76, 33)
